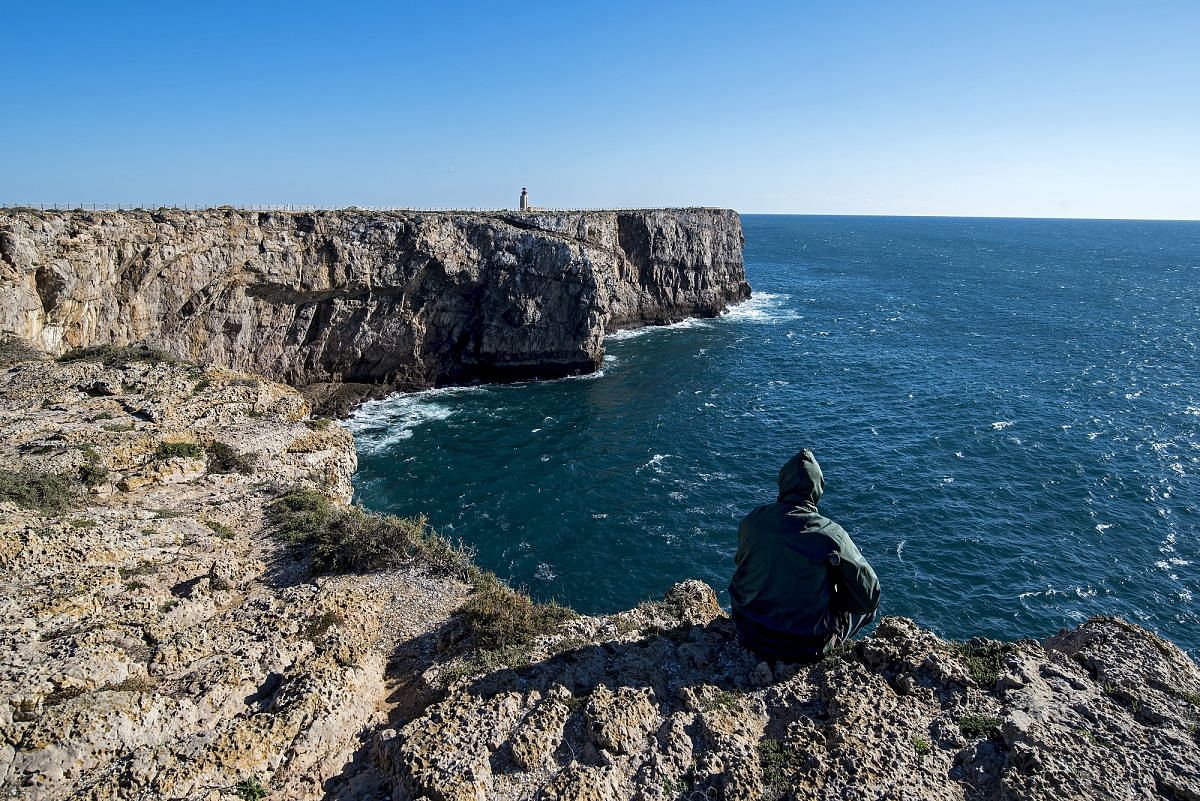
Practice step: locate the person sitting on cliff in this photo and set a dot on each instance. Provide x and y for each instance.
(801, 586)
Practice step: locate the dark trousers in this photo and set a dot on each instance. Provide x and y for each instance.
(774, 646)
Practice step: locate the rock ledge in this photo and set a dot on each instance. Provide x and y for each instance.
(156, 643)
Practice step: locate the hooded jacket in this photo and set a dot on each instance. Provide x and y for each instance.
(799, 576)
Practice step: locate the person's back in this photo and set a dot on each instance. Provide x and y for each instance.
(801, 585)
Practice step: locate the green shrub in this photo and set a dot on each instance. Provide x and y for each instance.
(499, 616)
(223, 458)
(174, 450)
(119, 355)
(41, 492)
(300, 515)
(978, 725)
(250, 790)
(93, 475)
(349, 539)
(985, 659)
(93, 472)
(220, 529)
(778, 763)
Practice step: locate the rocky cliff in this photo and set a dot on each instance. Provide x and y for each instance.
(158, 641)
(398, 298)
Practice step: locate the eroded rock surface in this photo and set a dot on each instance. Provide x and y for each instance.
(157, 643)
(153, 642)
(405, 299)
(662, 703)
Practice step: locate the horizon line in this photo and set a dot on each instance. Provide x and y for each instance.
(965, 216)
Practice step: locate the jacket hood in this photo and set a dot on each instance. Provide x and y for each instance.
(801, 481)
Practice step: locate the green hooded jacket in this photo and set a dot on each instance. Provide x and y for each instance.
(799, 576)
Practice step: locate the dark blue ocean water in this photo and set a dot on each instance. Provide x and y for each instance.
(1007, 413)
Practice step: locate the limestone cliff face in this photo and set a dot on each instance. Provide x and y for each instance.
(400, 298)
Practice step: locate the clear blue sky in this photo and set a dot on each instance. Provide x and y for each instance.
(1079, 109)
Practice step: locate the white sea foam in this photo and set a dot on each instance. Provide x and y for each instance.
(655, 463)
(762, 307)
(900, 550)
(545, 572)
(1000, 425)
(634, 333)
(1103, 527)
(584, 377)
(381, 424)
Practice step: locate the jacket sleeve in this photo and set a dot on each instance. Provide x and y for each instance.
(857, 582)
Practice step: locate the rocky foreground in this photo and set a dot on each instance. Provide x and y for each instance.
(158, 641)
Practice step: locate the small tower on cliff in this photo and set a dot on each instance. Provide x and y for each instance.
(524, 199)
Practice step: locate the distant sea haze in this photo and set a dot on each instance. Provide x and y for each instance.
(1007, 413)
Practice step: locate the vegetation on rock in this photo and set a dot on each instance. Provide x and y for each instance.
(347, 539)
(224, 459)
(14, 350)
(119, 355)
(178, 450)
(985, 659)
(501, 622)
(972, 725)
(92, 472)
(500, 617)
(38, 491)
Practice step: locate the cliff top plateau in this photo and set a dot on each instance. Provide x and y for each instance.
(191, 611)
(392, 300)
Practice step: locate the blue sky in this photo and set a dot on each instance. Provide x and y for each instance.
(1077, 109)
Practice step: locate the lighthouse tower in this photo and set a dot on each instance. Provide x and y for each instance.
(524, 199)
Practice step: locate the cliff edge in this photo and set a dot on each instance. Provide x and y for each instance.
(404, 299)
(160, 639)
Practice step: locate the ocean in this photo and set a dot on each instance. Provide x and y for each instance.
(1007, 413)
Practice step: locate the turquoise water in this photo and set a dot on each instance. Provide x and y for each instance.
(1007, 412)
